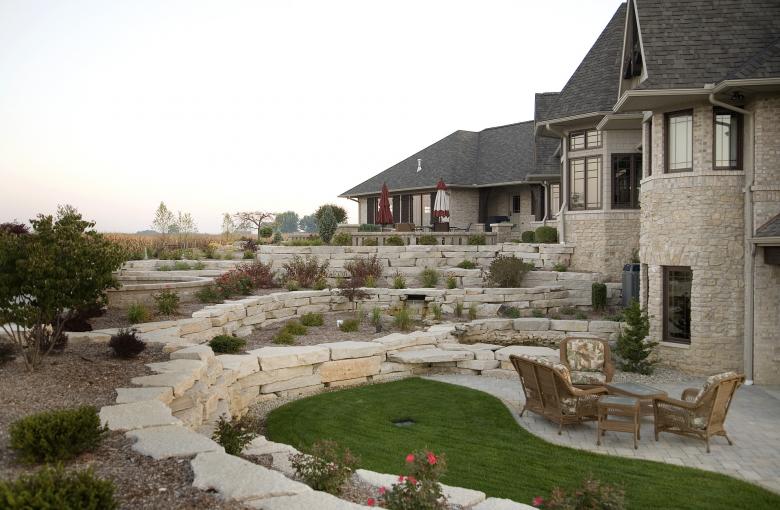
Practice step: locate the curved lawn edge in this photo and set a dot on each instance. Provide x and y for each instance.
(487, 449)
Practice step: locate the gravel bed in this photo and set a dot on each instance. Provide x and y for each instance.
(117, 317)
(660, 375)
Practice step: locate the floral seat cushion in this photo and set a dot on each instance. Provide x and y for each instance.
(713, 380)
(584, 377)
(585, 355)
(556, 365)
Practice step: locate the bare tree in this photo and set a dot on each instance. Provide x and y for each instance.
(185, 226)
(254, 218)
(163, 220)
(228, 227)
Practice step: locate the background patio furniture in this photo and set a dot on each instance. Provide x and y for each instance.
(701, 412)
(441, 226)
(645, 394)
(624, 408)
(404, 227)
(549, 393)
(589, 361)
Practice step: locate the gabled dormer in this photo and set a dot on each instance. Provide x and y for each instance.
(632, 68)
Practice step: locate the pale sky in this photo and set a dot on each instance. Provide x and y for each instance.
(221, 106)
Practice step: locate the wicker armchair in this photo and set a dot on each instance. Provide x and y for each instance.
(589, 361)
(701, 412)
(549, 393)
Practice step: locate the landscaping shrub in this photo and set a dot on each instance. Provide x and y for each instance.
(368, 227)
(167, 302)
(284, 337)
(459, 309)
(370, 282)
(371, 241)
(615, 317)
(265, 231)
(568, 310)
(306, 270)
(169, 254)
(507, 272)
(295, 328)
(327, 223)
(316, 241)
(56, 435)
(234, 435)
(180, 265)
(598, 296)
(510, 312)
(560, 267)
(349, 325)
(546, 235)
(429, 277)
(452, 282)
(581, 316)
(467, 264)
(249, 255)
(165, 267)
(436, 311)
(427, 239)
(394, 241)
(399, 282)
(277, 237)
(402, 319)
(54, 488)
(244, 278)
(312, 319)
(327, 468)
(361, 268)
(339, 213)
(632, 348)
(208, 295)
(250, 244)
(537, 313)
(419, 488)
(137, 312)
(292, 285)
(376, 318)
(126, 344)
(472, 312)
(342, 239)
(476, 239)
(199, 266)
(592, 495)
(227, 344)
(528, 236)
(320, 284)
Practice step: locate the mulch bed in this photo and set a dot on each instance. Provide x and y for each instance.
(117, 317)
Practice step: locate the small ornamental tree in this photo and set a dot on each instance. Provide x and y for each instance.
(46, 276)
(327, 225)
(338, 211)
(631, 345)
(256, 219)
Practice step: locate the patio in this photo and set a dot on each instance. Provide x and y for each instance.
(751, 423)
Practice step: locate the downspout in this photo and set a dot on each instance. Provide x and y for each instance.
(750, 249)
(564, 184)
(546, 202)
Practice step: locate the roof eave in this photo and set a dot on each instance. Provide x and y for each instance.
(766, 241)
(654, 99)
(573, 120)
(621, 121)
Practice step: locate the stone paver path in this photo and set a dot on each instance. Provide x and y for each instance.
(752, 426)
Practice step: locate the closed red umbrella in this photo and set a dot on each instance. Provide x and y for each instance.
(441, 205)
(385, 217)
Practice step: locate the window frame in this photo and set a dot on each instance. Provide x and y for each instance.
(665, 305)
(635, 178)
(667, 121)
(516, 207)
(649, 150)
(600, 184)
(585, 146)
(740, 133)
(555, 203)
(371, 213)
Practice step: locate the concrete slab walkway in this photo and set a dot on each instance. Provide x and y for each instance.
(752, 425)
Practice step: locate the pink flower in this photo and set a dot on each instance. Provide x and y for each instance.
(413, 480)
(371, 502)
(400, 478)
(431, 458)
(410, 457)
(538, 501)
(382, 491)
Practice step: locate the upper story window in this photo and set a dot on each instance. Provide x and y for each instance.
(585, 183)
(728, 139)
(579, 140)
(679, 141)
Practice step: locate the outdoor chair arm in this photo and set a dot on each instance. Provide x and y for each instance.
(599, 390)
(689, 394)
(674, 402)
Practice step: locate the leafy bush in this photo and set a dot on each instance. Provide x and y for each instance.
(370, 241)
(427, 239)
(342, 239)
(306, 270)
(292, 285)
(472, 312)
(368, 227)
(581, 316)
(394, 241)
(376, 318)
(546, 235)
(320, 284)
(277, 237)
(402, 319)
(429, 277)
(420, 487)
(476, 239)
(399, 282)
(361, 268)
(249, 244)
(55, 488)
(165, 267)
(234, 435)
(180, 265)
(126, 344)
(459, 309)
(632, 348)
(249, 255)
(467, 264)
(511, 312)
(436, 311)
(266, 231)
(56, 435)
(507, 272)
(593, 495)
(349, 325)
(560, 267)
(598, 296)
(284, 337)
(568, 310)
(327, 468)
(208, 295)
(370, 282)
(615, 317)
(167, 302)
(295, 328)
(244, 278)
(528, 236)
(537, 313)
(452, 282)
(339, 213)
(312, 319)
(327, 223)
(227, 344)
(137, 312)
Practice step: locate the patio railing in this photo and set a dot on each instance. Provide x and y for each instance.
(411, 238)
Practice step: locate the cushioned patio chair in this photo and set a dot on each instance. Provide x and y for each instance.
(701, 412)
(548, 391)
(589, 361)
(404, 227)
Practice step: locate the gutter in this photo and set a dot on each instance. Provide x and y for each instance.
(750, 247)
(564, 185)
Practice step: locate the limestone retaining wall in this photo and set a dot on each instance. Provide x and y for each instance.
(141, 287)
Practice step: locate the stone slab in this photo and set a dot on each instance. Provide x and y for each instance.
(531, 350)
(430, 356)
(349, 368)
(351, 349)
(568, 325)
(271, 358)
(171, 441)
(136, 415)
(531, 324)
(290, 384)
(455, 495)
(262, 446)
(195, 367)
(197, 352)
(502, 504)
(314, 500)
(479, 364)
(179, 382)
(242, 364)
(128, 395)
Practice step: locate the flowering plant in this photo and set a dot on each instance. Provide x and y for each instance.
(327, 468)
(593, 495)
(419, 489)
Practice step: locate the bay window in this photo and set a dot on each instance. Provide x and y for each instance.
(679, 141)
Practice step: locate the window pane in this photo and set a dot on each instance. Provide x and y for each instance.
(680, 142)
(621, 181)
(577, 170)
(726, 137)
(594, 183)
(577, 141)
(555, 199)
(678, 304)
(371, 209)
(649, 150)
(516, 203)
(594, 139)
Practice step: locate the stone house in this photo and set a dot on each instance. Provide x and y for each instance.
(503, 173)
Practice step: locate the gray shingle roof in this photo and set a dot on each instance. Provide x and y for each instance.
(465, 158)
(594, 85)
(543, 102)
(770, 229)
(688, 43)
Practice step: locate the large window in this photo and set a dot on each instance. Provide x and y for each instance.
(677, 304)
(679, 141)
(728, 139)
(555, 199)
(626, 174)
(585, 183)
(372, 207)
(579, 140)
(402, 208)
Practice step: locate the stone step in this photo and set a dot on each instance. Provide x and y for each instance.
(313, 500)
(171, 441)
(530, 350)
(137, 415)
(502, 504)
(128, 395)
(430, 356)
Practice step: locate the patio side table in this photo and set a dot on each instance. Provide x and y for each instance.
(645, 394)
(626, 409)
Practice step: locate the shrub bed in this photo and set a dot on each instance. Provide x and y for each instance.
(56, 435)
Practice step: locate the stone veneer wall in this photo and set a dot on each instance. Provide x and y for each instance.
(605, 240)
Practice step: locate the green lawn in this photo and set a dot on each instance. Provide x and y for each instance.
(487, 450)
